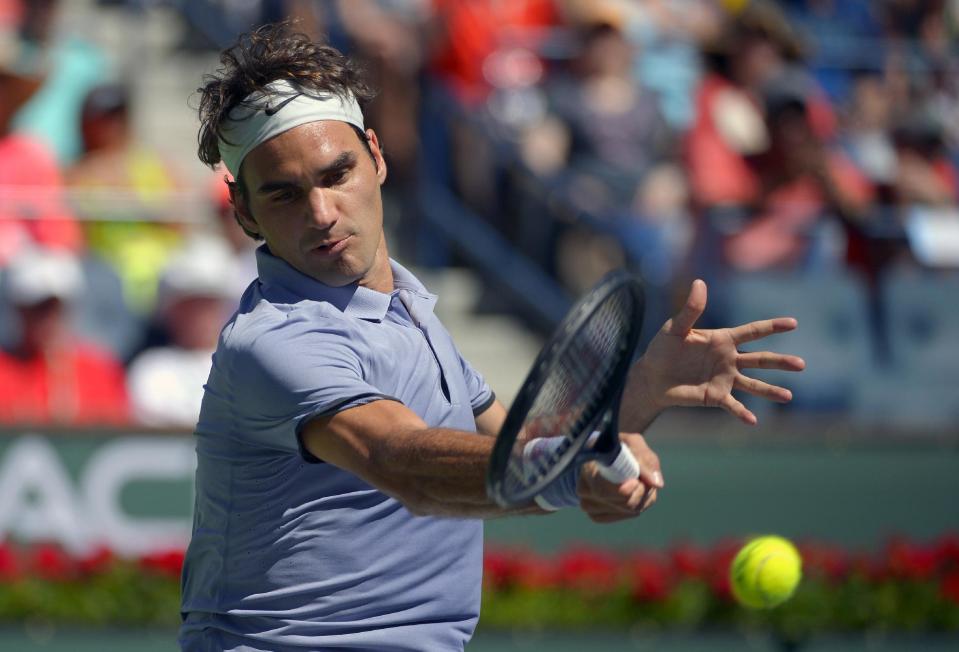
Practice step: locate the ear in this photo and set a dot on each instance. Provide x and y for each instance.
(377, 155)
(241, 210)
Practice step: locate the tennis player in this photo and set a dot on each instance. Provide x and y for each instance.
(343, 441)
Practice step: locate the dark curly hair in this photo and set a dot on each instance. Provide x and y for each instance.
(264, 55)
(268, 53)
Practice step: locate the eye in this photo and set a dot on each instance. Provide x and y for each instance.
(336, 177)
(284, 196)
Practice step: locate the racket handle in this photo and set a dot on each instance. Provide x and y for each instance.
(622, 468)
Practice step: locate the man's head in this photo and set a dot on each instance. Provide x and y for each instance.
(105, 118)
(283, 115)
(40, 284)
(196, 292)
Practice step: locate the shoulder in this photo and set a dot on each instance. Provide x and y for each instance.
(265, 334)
(23, 147)
(91, 354)
(262, 322)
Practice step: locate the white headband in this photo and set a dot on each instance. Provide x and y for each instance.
(278, 107)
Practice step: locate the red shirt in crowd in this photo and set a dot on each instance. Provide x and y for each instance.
(32, 206)
(475, 29)
(79, 386)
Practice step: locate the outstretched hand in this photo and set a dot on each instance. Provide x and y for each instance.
(696, 367)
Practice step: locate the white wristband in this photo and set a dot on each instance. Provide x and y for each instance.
(562, 491)
(544, 504)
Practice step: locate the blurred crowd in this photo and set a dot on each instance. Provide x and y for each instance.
(681, 138)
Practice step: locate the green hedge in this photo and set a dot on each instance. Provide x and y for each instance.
(907, 587)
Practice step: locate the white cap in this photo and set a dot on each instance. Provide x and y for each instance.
(35, 275)
(203, 267)
(18, 56)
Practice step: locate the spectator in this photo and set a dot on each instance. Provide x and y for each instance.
(925, 190)
(391, 39)
(730, 139)
(126, 189)
(617, 133)
(867, 136)
(924, 175)
(211, 24)
(801, 180)
(73, 65)
(473, 36)
(621, 163)
(166, 382)
(487, 59)
(669, 34)
(49, 375)
(32, 210)
(11, 13)
(756, 46)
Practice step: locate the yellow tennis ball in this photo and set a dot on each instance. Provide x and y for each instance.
(765, 572)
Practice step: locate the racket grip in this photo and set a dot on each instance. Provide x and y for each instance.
(622, 468)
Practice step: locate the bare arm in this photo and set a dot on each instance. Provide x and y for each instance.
(432, 471)
(490, 421)
(442, 472)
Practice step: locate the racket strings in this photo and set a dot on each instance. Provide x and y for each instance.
(578, 381)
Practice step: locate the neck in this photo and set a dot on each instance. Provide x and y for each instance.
(380, 276)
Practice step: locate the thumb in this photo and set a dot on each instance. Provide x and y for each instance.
(651, 476)
(687, 316)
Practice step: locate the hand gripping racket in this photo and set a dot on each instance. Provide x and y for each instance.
(572, 394)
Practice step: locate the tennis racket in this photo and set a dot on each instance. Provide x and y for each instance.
(572, 394)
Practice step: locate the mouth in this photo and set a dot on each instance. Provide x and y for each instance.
(332, 247)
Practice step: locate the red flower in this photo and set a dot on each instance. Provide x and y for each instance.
(95, 562)
(9, 565)
(536, 574)
(947, 551)
(591, 571)
(874, 569)
(689, 562)
(910, 561)
(950, 586)
(169, 562)
(50, 562)
(720, 559)
(830, 562)
(499, 568)
(651, 577)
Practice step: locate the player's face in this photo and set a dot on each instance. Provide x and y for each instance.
(313, 193)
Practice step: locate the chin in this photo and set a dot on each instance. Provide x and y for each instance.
(343, 273)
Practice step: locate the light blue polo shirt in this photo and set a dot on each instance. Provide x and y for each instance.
(290, 553)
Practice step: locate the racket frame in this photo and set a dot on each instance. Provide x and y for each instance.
(607, 444)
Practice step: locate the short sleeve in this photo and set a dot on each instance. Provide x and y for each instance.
(293, 372)
(480, 393)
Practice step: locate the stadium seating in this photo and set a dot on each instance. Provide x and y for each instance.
(920, 386)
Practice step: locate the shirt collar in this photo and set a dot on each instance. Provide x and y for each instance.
(283, 281)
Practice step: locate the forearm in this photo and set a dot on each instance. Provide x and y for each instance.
(432, 471)
(640, 405)
(435, 471)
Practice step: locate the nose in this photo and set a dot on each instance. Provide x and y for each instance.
(323, 211)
